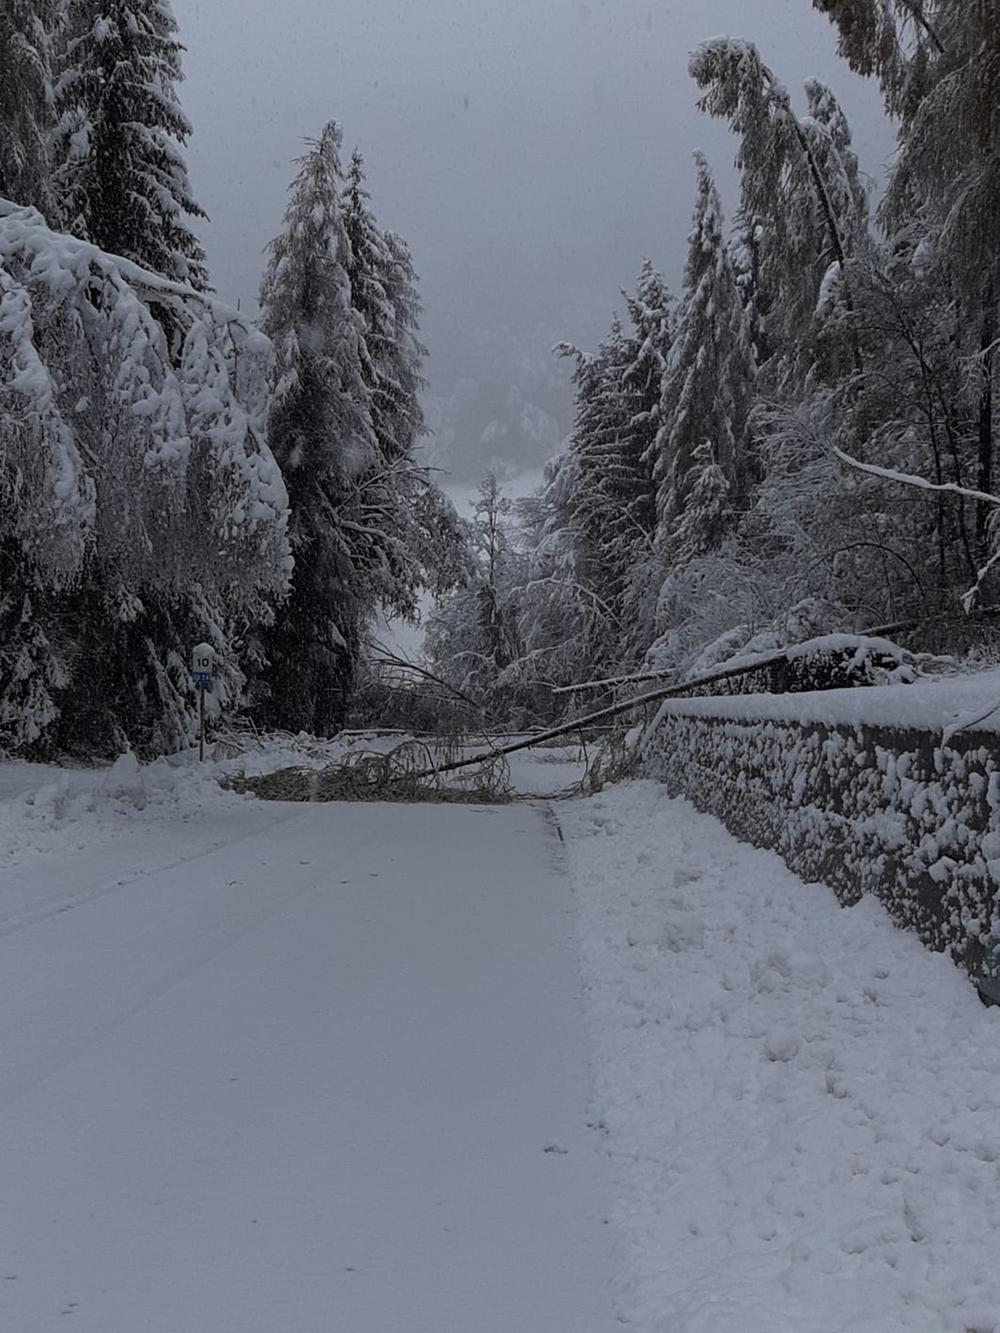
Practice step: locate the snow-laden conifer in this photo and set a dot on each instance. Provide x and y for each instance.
(707, 393)
(651, 310)
(938, 63)
(26, 99)
(384, 293)
(601, 504)
(120, 177)
(799, 190)
(894, 40)
(745, 245)
(349, 559)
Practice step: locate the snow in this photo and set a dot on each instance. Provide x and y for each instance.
(207, 413)
(50, 815)
(946, 703)
(267, 1066)
(292, 1067)
(49, 812)
(800, 1104)
(829, 290)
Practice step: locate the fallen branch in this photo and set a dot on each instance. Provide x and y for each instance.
(602, 715)
(328, 784)
(675, 691)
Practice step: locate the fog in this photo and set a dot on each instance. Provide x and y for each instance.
(532, 152)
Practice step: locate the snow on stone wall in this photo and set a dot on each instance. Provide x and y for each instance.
(899, 812)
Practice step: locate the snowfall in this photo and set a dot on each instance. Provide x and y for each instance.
(564, 1065)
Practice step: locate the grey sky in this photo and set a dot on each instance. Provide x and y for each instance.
(531, 151)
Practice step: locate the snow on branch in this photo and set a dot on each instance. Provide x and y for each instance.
(147, 451)
(970, 599)
(908, 479)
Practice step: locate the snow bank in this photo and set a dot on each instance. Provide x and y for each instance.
(46, 810)
(870, 790)
(799, 1103)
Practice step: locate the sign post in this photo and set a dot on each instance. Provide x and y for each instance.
(203, 660)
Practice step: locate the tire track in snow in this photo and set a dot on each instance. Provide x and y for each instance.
(87, 1007)
(123, 878)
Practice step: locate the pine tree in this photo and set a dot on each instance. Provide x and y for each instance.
(404, 370)
(592, 525)
(322, 433)
(745, 247)
(493, 545)
(651, 312)
(707, 511)
(896, 41)
(707, 393)
(120, 178)
(601, 499)
(26, 100)
(800, 193)
(383, 292)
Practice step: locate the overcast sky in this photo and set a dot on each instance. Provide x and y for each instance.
(531, 151)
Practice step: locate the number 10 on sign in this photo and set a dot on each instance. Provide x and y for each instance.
(203, 659)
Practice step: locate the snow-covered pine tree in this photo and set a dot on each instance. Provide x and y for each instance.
(895, 41)
(349, 560)
(831, 145)
(120, 179)
(652, 315)
(135, 485)
(799, 184)
(384, 293)
(707, 394)
(708, 507)
(607, 461)
(492, 543)
(367, 266)
(592, 525)
(26, 100)
(651, 310)
(604, 491)
(745, 253)
(408, 351)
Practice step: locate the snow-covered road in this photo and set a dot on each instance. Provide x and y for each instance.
(294, 1069)
(281, 1069)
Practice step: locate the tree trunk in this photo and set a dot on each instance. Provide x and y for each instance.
(984, 477)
